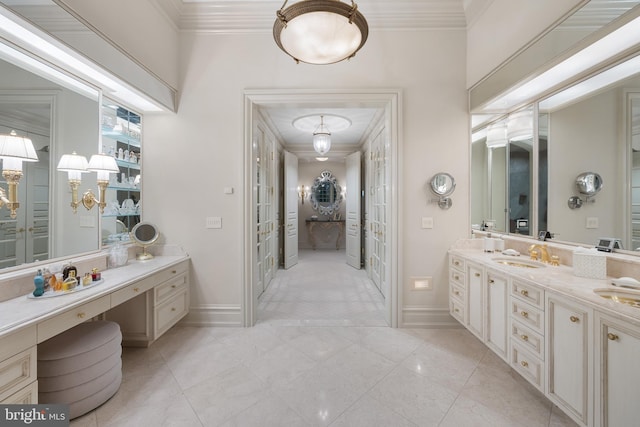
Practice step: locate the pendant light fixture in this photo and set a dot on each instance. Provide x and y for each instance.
(320, 31)
(322, 138)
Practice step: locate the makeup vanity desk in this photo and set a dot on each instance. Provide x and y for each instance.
(145, 297)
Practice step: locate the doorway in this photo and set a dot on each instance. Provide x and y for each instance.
(386, 100)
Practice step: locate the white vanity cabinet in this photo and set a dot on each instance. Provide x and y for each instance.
(617, 372)
(457, 289)
(569, 361)
(18, 377)
(496, 292)
(475, 299)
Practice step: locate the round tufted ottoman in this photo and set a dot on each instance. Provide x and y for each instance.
(81, 367)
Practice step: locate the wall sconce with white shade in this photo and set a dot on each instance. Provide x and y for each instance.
(14, 150)
(303, 192)
(75, 165)
(320, 31)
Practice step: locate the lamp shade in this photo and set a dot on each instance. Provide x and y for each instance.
(520, 125)
(320, 31)
(103, 165)
(74, 164)
(497, 135)
(16, 149)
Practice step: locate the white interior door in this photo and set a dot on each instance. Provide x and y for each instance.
(291, 210)
(353, 196)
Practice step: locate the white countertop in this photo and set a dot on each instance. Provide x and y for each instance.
(22, 311)
(559, 279)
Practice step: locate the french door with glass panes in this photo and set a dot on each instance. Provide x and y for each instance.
(377, 215)
(264, 151)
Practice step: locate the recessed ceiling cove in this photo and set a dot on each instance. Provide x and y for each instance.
(309, 123)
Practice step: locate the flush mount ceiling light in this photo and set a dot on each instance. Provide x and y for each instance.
(322, 159)
(320, 31)
(322, 138)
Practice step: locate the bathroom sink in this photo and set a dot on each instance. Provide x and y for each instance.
(628, 297)
(521, 263)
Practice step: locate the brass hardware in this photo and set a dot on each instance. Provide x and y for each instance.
(524, 314)
(524, 337)
(574, 319)
(456, 293)
(174, 271)
(20, 230)
(30, 229)
(544, 252)
(173, 309)
(555, 260)
(456, 263)
(525, 364)
(492, 281)
(456, 310)
(477, 274)
(173, 286)
(81, 315)
(456, 277)
(612, 337)
(524, 293)
(135, 289)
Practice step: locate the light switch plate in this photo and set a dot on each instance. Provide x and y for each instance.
(213, 222)
(427, 222)
(592, 222)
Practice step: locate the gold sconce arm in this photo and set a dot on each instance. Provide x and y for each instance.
(12, 177)
(74, 184)
(89, 199)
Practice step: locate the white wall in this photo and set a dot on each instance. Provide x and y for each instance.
(505, 27)
(205, 139)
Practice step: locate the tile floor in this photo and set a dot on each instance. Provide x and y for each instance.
(320, 355)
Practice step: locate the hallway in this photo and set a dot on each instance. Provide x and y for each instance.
(321, 290)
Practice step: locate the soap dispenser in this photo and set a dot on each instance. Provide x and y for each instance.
(38, 283)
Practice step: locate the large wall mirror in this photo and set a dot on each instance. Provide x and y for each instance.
(326, 194)
(58, 120)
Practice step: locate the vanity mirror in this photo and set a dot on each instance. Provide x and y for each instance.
(326, 194)
(442, 185)
(144, 234)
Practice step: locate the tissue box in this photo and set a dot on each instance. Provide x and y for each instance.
(592, 266)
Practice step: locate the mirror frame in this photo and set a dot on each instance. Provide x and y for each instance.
(449, 189)
(144, 256)
(326, 177)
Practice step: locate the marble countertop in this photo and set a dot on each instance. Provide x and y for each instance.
(558, 279)
(22, 311)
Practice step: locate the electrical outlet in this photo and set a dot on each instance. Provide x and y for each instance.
(592, 222)
(213, 222)
(427, 222)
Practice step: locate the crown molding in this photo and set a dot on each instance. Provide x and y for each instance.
(258, 16)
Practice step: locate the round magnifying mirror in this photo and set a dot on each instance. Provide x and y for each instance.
(144, 234)
(589, 183)
(443, 184)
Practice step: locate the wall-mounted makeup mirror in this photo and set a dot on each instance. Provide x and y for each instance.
(144, 234)
(443, 185)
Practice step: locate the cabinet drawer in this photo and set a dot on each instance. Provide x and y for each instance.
(456, 276)
(531, 294)
(142, 286)
(17, 371)
(26, 396)
(528, 315)
(69, 319)
(456, 291)
(527, 365)
(456, 308)
(168, 314)
(17, 341)
(456, 262)
(170, 288)
(527, 338)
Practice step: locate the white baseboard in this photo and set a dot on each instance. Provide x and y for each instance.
(427, 317)
(214, 315)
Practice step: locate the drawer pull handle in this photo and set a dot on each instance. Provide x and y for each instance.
(524, 293)
(456, 277)
(574, 319)
(173, 286)
(173, 309)
(524, 314)
(456, 292)
(612, 337)
(477, 274)
(456, 310)
(174, 271)
(524, 337)
(492, 281)
(524, 364)
(136, 289)
(456, 263)
(81, 315)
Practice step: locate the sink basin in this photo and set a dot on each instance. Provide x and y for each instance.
(521, 263)
(622, 296)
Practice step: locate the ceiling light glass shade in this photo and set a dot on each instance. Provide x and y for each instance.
(322, 159)
(16, 149)
(74, 164)
(322, 142)
(520, 125)
(320, 31)
(103, 165)
(497, 135)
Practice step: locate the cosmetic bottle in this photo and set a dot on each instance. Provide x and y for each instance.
(38, 282)
(95, 275)
(67, 270)
(86, 279)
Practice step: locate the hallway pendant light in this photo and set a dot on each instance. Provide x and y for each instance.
(322, 138)
(320, 31)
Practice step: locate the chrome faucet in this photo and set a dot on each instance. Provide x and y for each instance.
(543, 252)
